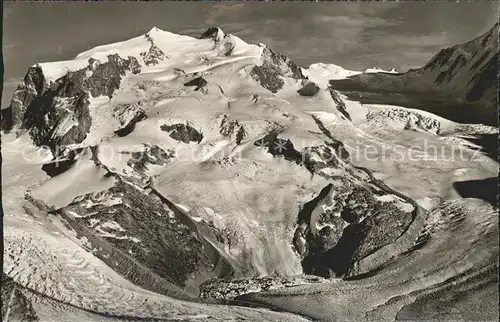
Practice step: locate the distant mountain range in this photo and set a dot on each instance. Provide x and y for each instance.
(462, 75)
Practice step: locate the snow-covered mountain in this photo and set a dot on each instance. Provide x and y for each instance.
(167, 176)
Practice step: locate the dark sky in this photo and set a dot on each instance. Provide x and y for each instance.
(354, 35)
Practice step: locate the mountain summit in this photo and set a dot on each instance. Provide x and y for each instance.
(166, 176)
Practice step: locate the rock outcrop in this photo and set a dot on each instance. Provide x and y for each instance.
(230, 288)
(271, 194)
(31, 87)
(339, 103)
(400, 119)
(224, 43)
(128, 115)
(151, 155)
(154, 55)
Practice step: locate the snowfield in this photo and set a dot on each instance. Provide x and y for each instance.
(206, 163)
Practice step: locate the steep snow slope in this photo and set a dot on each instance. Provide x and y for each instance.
(143, 169)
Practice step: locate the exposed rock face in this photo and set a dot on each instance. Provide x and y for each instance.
(474, 63)
(106, 77)
(211, 33)
(337, 145)
(310, 89)
(57, 114)
(129, 127)
(199, 82)
(346, 223)
(60, 116)
(351, 218)
(31, 87)
(153, 56)
(404, 120)
(275, 66)
(479, 86)
(227, 289)
(55, 168)
(329, 155)
(129, 116)
(182, 132)
(155, 155)
(125, 225)
(15, 305)
(225, 162)
(228, 48)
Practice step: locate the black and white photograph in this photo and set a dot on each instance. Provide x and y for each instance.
(250, 161)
